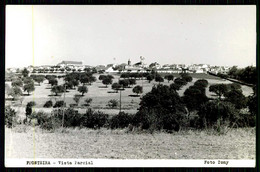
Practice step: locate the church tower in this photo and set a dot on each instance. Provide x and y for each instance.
(129, 62)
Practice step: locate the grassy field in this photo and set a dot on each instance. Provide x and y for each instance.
(29, 142)
(100, 95)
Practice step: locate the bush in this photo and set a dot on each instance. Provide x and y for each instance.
(88, 101)
(113, 103)
(121, 120)
(59, 104)
(92, 119)
(217, 111)
(10, 116)
(31, 103)
(71, 117)
(161, 108)
(48, 104)
(245, 119)
(201, 83)
(28, 109)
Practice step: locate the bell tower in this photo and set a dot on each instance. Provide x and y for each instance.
(129, 62)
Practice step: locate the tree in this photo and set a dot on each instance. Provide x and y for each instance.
(194, 97)
(175, 87)
(28, 109)
(116, 86)
(110, 76)
(233, 71)
(237, 98)
(53, 81)
(15, 92)
(138, 89)
(132, 81)
(213, 111)
(113, 103)
(82, 89)
(25, 72)
(39, 79)
(162, 107)
(68, 85)
(77, 98)
(150, 78)
(219, 89)
(92, 79)
(186, 77)
(88, 101)
(10, 116)
(234, 86)
(27, 80)
(17, 83)
(29, 87)
(75, 82)
(249, 75)
(169, 77)
(84, 79)
(180, 81)
(87, 70)
(58, 89)
(124, 83)
(48, 104)
(124, 75)
(201, 83)
(101, 77)
(107, 81)
(60, 104)
(159, 79)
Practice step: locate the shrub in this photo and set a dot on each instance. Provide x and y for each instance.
(245, 119)
(121, 120)
(58, 89)
(159, 79)
(186, 77)
(28, 109)
(116, 86)
(10, 116)
(77, 98)
(161, 108)
(149, 77)
(237, 98)
(180, 81)
(88, 101)
(124, 83)
(138, 89)
(217, 111)
(201, 83)
(31, 103)
(48, 104)
(59, 104)
(113, 103)
(92, 119)
(71, 117)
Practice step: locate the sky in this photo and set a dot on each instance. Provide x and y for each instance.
(46, 35)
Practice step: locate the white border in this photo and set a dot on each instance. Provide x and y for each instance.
(126, 163)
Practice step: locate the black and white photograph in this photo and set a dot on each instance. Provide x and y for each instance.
(130, 86)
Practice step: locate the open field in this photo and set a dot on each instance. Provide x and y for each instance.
(28, 142)
(100, 95)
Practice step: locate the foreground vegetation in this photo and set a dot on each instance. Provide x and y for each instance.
(29, 142)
